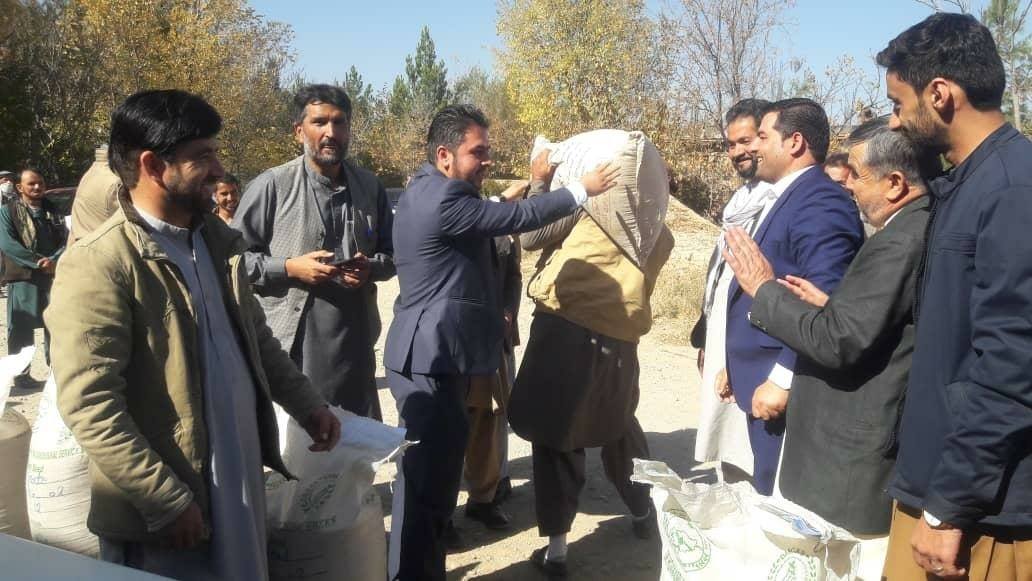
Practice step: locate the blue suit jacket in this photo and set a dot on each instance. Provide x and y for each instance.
(448, 317)
(813, 231)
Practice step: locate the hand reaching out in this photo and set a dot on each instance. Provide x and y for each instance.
(601, 178)
(516, 191)
(743, 255)
(805, 290)
(541, 169)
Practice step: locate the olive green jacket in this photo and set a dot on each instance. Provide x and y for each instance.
(124, 348)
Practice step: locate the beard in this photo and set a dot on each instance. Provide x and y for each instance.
(192, 198)
(321, 159)
(925, 133)
(749, 171)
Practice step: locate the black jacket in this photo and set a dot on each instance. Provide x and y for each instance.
(848, 390)
(967, 426)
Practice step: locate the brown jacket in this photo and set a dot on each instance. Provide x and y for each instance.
(96, 197)
(585, 278)
(129, 378)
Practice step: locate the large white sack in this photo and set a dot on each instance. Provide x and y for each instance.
(14, 453)
(14, 449)
(729, 531)
(58, 482)
(356, 552)
(632, 212)
(328, 524)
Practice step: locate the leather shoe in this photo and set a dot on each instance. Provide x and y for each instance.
(553, 569)
(488, 513)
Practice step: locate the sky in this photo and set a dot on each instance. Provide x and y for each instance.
(375, 36)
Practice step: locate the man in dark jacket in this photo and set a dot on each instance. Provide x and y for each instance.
(32, 238)
(964, 468)
(854, 348)
(447, 325)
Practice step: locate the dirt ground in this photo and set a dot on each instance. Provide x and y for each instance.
(601, 543)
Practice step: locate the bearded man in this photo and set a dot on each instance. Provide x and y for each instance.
(319, 231)
(723, 434)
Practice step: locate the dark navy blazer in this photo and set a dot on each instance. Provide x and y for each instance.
(448, 318)
(813, 231)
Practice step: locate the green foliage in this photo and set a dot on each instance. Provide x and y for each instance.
(68, 63)
(1007, 20)
(426, 77)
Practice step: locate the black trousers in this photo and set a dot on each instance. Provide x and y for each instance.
(559, 479)
(433, 409)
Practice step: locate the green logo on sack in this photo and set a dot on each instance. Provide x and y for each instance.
(688, 549)
(792, 566)
(317, 493)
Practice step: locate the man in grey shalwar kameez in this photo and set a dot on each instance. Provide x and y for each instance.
(319, 231)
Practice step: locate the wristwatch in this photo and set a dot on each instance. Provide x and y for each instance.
(935, 523)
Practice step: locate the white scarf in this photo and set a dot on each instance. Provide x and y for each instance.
(743, 210)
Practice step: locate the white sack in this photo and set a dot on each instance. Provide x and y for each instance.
(14, 449)
(328, 524)
(58, 482)
(632, 212)
(14, 453)
(729, 531)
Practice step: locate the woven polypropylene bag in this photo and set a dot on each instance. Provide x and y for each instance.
(633, 211)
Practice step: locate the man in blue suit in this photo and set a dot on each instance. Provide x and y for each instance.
(448, 319)
(809, 228)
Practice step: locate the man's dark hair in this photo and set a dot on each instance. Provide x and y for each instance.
(328, 94)
(751, 108)
(157, 121)
(837, 160)
(807, 118)
(448, 128)
(229, 179)
(952, 46)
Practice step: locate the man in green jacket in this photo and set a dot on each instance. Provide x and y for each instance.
(32, 237)
(166, 370)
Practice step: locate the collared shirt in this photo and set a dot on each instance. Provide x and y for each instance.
(237, 489)
(781, 375)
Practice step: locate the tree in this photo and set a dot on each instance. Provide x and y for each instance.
(1006, 19)
(844, 90)
(75, 60)
(574, 65)
(963, 6)
(510, 140)
(426, 77)
(723, 52)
